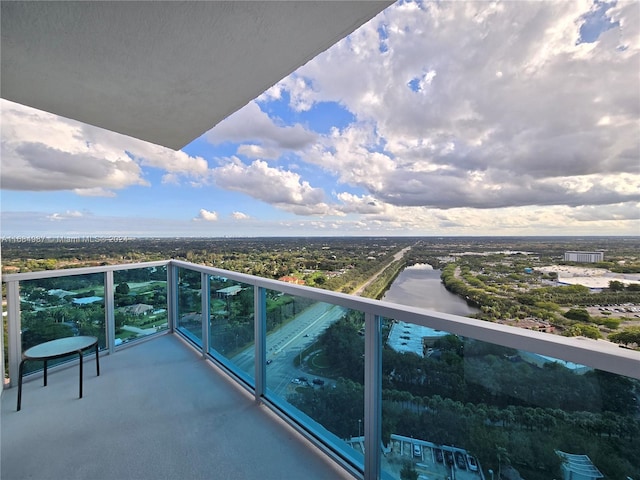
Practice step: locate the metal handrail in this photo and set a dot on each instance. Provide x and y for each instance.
(597, 354)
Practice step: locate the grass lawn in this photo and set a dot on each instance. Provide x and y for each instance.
(318, 361)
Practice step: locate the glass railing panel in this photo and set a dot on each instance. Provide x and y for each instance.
(189, 304)
(461, 408)
(5, 349)
(60, 307)
(231, 327)
(140, 300)
(315, 368)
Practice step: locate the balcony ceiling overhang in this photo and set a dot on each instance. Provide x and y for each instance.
(164, 72)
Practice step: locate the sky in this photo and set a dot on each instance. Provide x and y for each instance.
(432, 119)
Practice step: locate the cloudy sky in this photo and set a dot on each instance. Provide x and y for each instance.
(448, 118)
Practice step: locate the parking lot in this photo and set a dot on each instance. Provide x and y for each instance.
(431, 461)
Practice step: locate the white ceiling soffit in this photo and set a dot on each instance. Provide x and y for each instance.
(164, 72)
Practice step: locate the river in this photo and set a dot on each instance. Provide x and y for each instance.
(420, 286)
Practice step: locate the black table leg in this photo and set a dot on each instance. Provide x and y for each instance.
(39, 354)
(97, 361)
(21, 369)
(80, 355)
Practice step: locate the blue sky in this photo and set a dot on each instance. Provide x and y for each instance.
(447, 118)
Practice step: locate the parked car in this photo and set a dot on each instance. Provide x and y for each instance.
(317, 381)
(417, 451)
(473, 465)
(269, 361)
(461, 462)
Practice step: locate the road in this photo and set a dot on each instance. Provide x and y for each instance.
(286, 343)
(396, 257)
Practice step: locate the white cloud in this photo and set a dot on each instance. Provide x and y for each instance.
(42, 151)
(240, 216)
(206, 216)
(259, 151)
(531, 135)
(69, 214)
(170, 179)
(283, 189)
(619, 212)
(94, 192)
(251, 124)
(366, 204)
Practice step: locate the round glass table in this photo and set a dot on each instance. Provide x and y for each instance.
(58, 348)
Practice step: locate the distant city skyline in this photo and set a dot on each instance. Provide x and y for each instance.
(433, 119)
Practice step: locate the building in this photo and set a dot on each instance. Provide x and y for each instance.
(409, 338)
(578, 467)
(583, 257)
(138, 309)
(228, 291)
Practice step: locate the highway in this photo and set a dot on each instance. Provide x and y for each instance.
(395, 258)
(284, 344)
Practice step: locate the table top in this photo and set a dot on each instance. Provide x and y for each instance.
(59, 347)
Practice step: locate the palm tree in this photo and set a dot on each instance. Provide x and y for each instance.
(503, 456)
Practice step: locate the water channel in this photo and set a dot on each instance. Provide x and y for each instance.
(420, 286)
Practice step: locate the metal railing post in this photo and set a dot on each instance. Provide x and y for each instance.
(2, 341)
(172, 297)
(14, 340)
(109, 311)
(372, 395)
(260, 329)
(205, 291)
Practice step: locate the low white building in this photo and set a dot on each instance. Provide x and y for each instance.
(578, 467)
(583, 257)
(409, 338)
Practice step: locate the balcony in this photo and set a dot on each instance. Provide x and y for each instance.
(156, 411)
(284, 381)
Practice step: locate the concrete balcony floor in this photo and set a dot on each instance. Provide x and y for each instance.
(157, 411)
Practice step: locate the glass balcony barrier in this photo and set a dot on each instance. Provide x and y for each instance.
(53, 308)
(388, 391)
(140, 303)
(455, 407)
(117, 306)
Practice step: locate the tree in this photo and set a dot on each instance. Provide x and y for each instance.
(616, 286)
(122, 288)
(590, 331)
(627, 336)
(120, 319)
(408, 472)
(344, 348)
(579, 314)
(503, 458)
